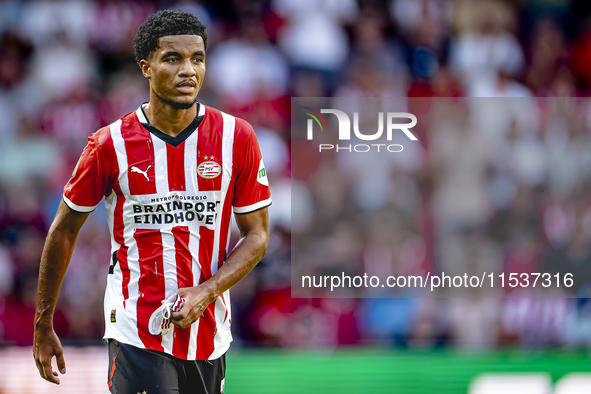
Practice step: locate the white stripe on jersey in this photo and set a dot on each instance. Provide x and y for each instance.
(170, 275)
(191, 182)
(110, 204)
(223, 335)
(112, 301)
(78, 208)
(253, 207)
(119, 145)
(130, 331)
(160, 165)
(140, 115)
(194, 248)
(227, 160)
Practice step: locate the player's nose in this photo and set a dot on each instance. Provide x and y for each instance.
(186, 69)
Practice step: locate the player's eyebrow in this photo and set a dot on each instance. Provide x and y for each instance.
(171, 53)
(174, 53)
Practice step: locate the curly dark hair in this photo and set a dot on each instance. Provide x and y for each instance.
(165, 23)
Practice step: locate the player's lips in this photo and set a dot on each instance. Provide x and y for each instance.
(187, 87)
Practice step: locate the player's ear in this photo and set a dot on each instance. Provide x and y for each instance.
(145, 66)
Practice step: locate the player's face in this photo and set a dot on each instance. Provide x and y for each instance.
(176, 70)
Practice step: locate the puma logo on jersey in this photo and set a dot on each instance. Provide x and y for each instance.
(144, 173)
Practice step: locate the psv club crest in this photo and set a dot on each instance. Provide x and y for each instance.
(209, 169)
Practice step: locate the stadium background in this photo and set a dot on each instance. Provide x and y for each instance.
(66, 69)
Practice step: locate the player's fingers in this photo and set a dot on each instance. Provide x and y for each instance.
(36, 358)
(182, 324)
(180, 320)
(184, 320)
(40, 368)
(48, 372)
(177, 318)
(183, 313)
(61, 361)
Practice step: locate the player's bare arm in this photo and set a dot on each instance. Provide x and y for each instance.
(55, 258)
(254, 230)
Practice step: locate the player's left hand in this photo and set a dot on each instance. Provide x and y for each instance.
(196, 301)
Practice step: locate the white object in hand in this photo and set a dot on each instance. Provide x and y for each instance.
(159, 323)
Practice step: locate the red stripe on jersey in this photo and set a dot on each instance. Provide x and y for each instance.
(206, 333)
(205, 248)
(225, 305)
(122, 260)
(184, 274)
(209, 148)
(176, 167)
(140, 157)
(151, 283)
(118, 227)
(247, 159)
(109, 156)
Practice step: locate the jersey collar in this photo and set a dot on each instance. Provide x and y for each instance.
(183, 135)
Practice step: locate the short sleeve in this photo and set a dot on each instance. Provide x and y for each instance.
(251, 189)
(89, 181)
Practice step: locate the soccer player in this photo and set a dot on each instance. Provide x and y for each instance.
(171, 172)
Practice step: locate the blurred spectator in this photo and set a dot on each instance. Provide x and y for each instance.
(548, 55)
(60, 67)
(535, 322)
(248, 66)
(112, 24)
(412, 16)
(43, 21)
(31, 156)
(474, 322)
(581, 59)
(487, 56)
(14, 63)
(376, 65)
(389, 321)
(313, 36)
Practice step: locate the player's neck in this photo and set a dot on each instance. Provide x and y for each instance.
(169, 120)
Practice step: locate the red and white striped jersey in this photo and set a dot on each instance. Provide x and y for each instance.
(169, 203)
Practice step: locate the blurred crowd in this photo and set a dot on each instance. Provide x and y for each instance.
(67, 68)
(492, 186)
